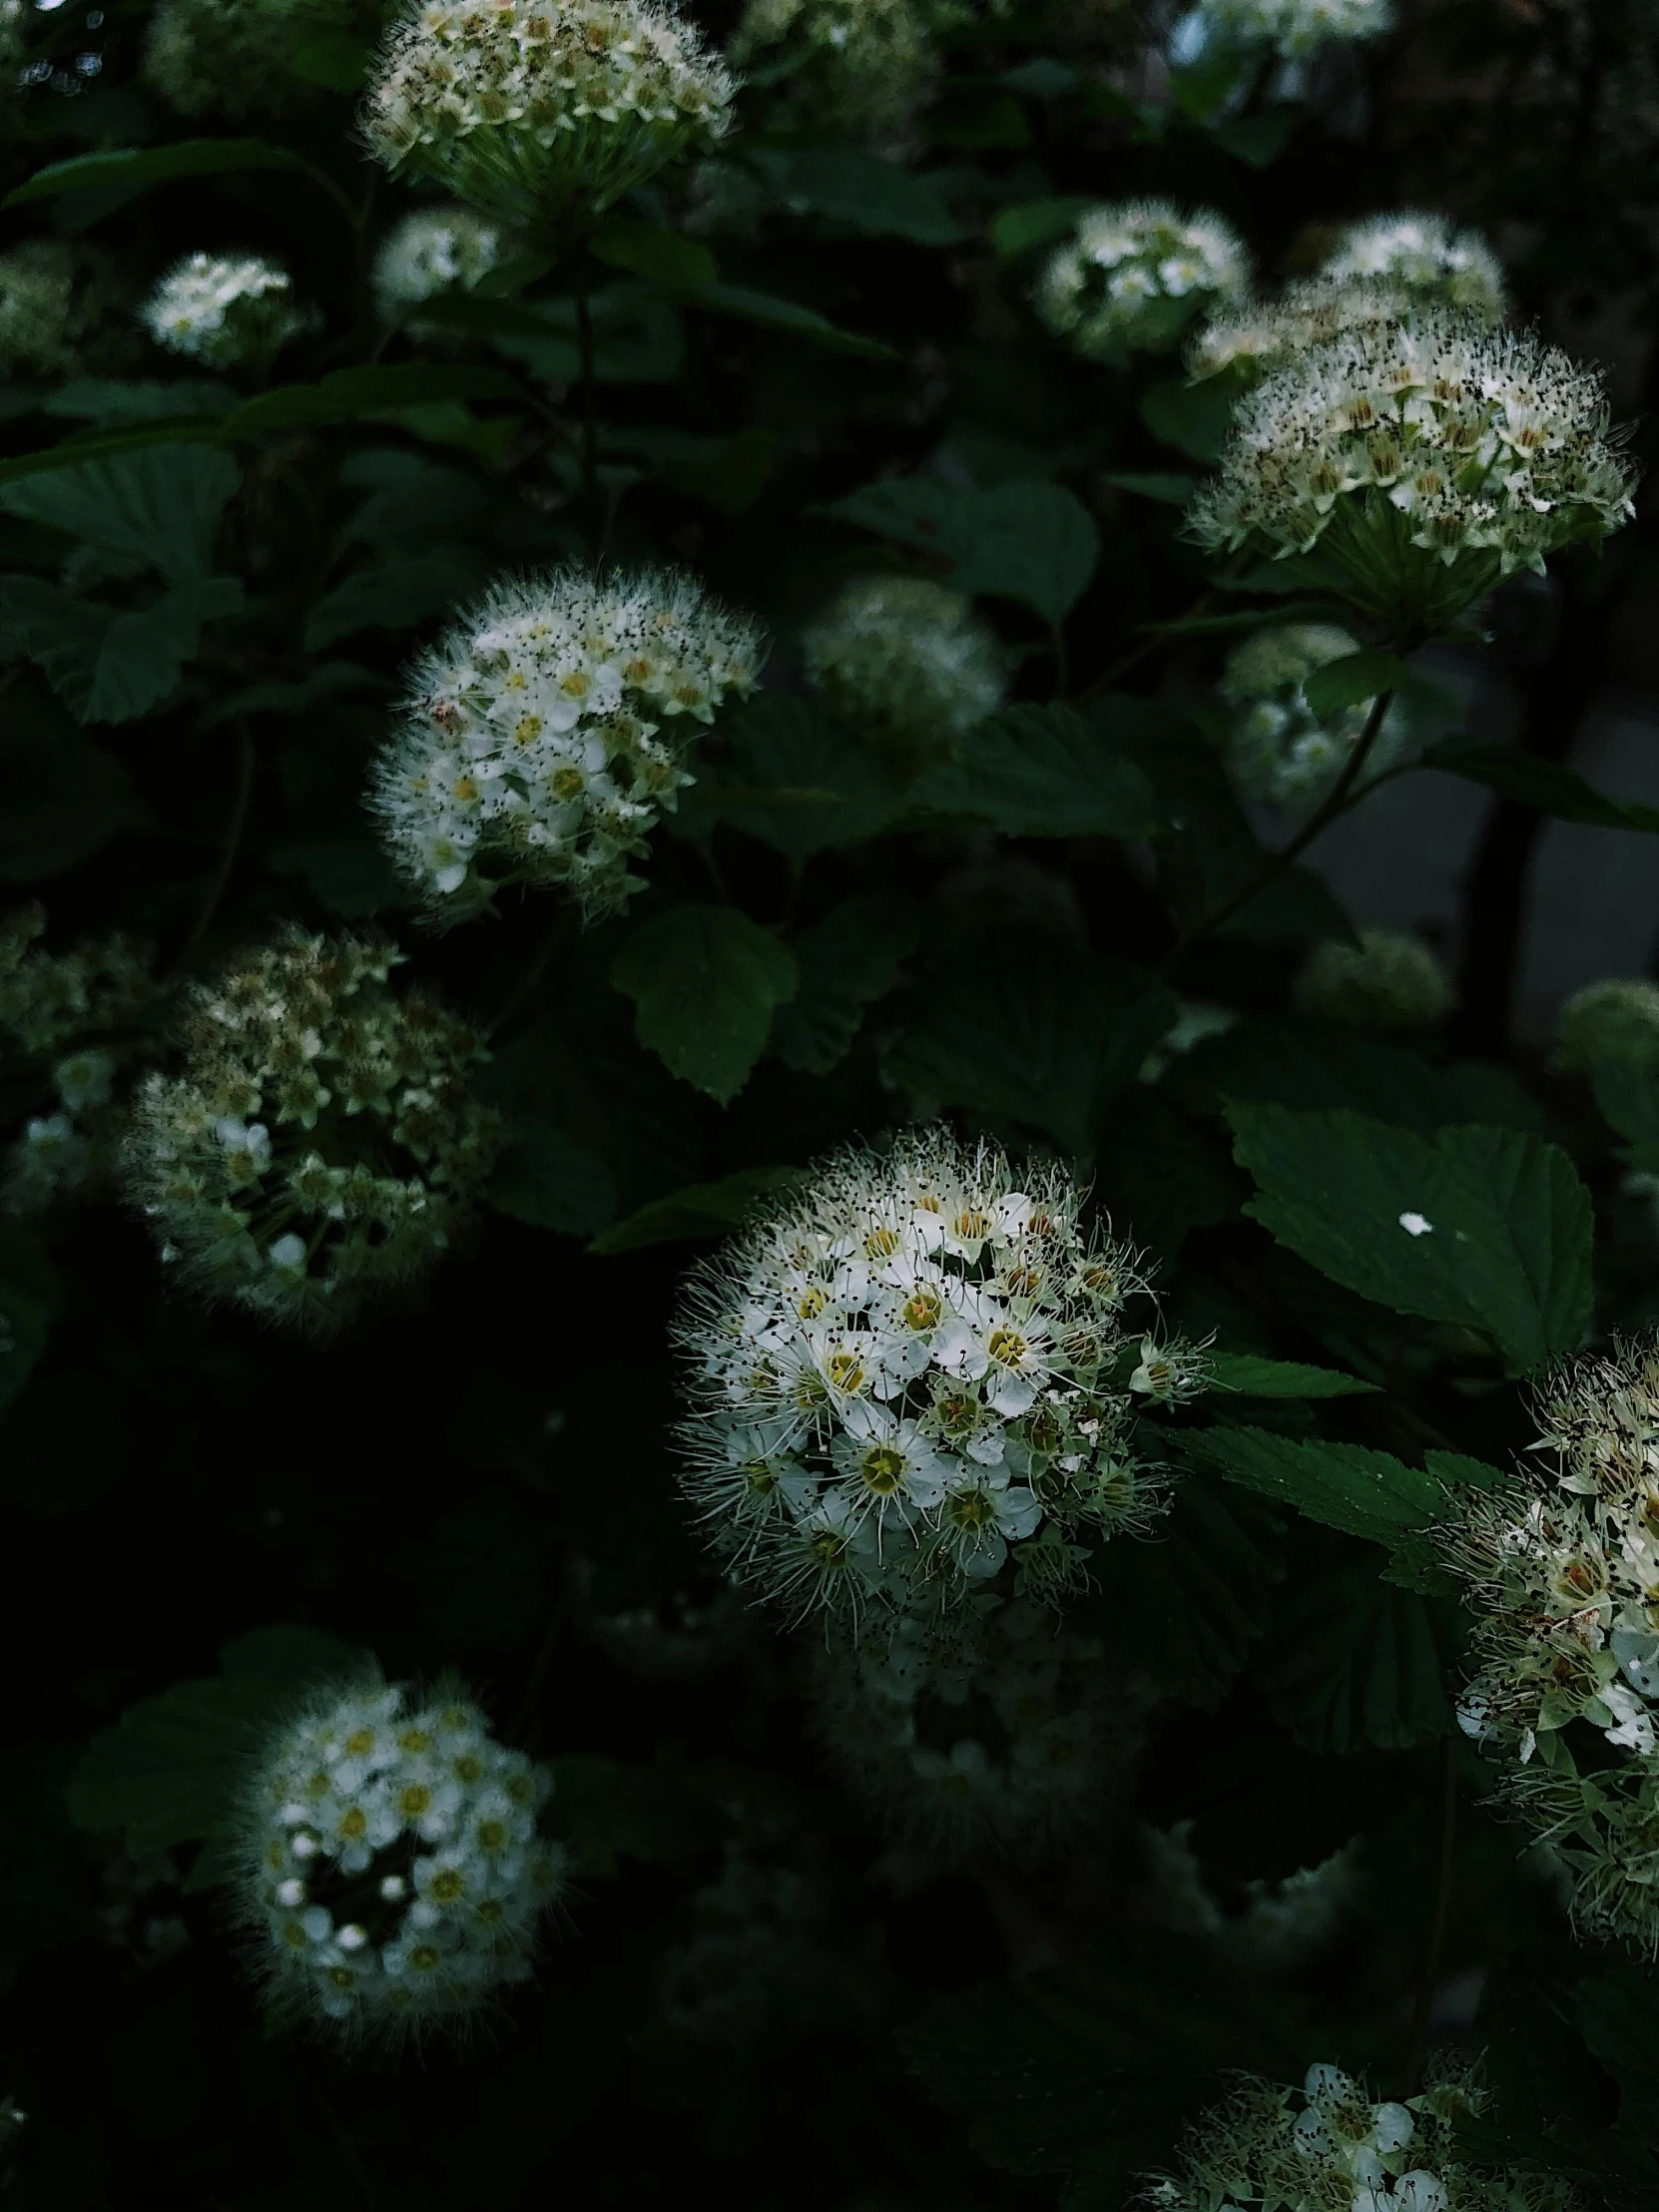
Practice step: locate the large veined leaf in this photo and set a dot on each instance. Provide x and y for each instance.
(1028, 541)
(396, 594)
(1487, 1229)
(135, 168)
(846, 960)
(1042, 771)
(1347, 1486)
(1354, 1660)
(1550, 786)
(161, 505)
(805, 784)
(1254, 1377)
(704, 982)
(110, 663)
(867, 193)
(700, 1209)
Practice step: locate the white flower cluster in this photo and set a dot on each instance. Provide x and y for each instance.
(907, 661)
(1278, 750)
(1292, 29)
(1133, 277)
(528, 107)
(1424, 459)
(1427, 257)
(322, 1141)
(917, 1364)
(38, 319)
(1282, 1926)
(991, 1728)
(229, 311)
(1330, 2149)
(229, 57)
(1389, 980)
(67, 1035)
(1251, 340)
(391, 1873)
(867, 67)
(431, 251)
(1614, 1021)
(1562, 1572)
(532, 747)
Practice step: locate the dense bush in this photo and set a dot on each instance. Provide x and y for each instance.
(773, 1422)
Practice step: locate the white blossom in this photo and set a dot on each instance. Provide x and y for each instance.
(1278, 749)
(905, 661)
(229, 311)
(1135, 275)
(1292, 29)
(548, 731)
(433, 249)
(1427, 257)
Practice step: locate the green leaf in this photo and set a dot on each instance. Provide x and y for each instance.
(846, 961)
(807, 783)
(1484, 1229)
(105, 663)
(1347, 1486)
(109, 401)
(135, 168)
(167, 1771)
(335, 59)
(1168, 492)
(1253, 1377)
(704, 981)
(603, 1810)
(863, 191)
(1191, 1602)
(1550, 786)
(1028, 223)
(31, 1291)
(1629, 1101)
(98, 444)
(1354, 1661)
(699, 1210)
(348, 395)
(1194, 418)
(788, 315)
(65, 797)
(1353, 681)
(550, 1179)
(1042, 771)
(1033, 542)
(161, 505)
(1032, 1030)
(348, 875)
(1257, 140)
(646, 250)
(396, 593)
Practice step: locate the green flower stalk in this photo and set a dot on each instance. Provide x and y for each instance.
(532, 110)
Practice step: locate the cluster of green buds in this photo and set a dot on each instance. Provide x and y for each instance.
(907, 661)
(1385, 980)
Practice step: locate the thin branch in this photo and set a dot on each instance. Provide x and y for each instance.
(230, 845)
(593, 516)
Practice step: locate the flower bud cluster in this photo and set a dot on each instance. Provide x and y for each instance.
(1425, 256)
(392, 1877)
(231, 312)
(1561, 1569)
(1292, 29)
(1278, 750)
(532, 747)
(1389, 980)
(1330, 2149)
(864, 66)
(913, 1370)
(229, 57)
(1406, 451)
(907, 661)
(321, 1142)
(67, 1036)
(1134, 276)
(527, 108)
(1615, 1021)
(39, 323)
(992, 1728)
(431, 251)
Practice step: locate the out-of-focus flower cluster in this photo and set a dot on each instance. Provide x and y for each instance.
(69, 1024)
(392, 1876)
(1134, 278)
(867, 67)
(907, 661)
(1278, 749)
(1424, 459)
(51, 300)
(1613, 1023)
(1291, 29)
(992, 1726)
(431, 251)
(532, 748)
(1425, 256)
(1561, 1569)
(916, 1368)
(231, 56)
(1329, 2148)
(322, 1139)
(530, 107)
(231, 312)
(1282, 1925)
(1388, 981)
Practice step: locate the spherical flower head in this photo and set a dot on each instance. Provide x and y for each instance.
(1614, 1022)
(1291, 29)
(549, 731)
(1425, 256)
(1134, 276)
(1386, 982)
(321, 1142)
(1246, 343)
(392, 1877)
(992, 1732)
(1559, 1569)
(69, 1041)
(907, 661)
(1329, 2148)
(529, 109)
(865, 66)
(231, 58)
(39, 323)
(227, 311)
(1424, 459)
(1278, 750)
(912, 1375)
(434, 249)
